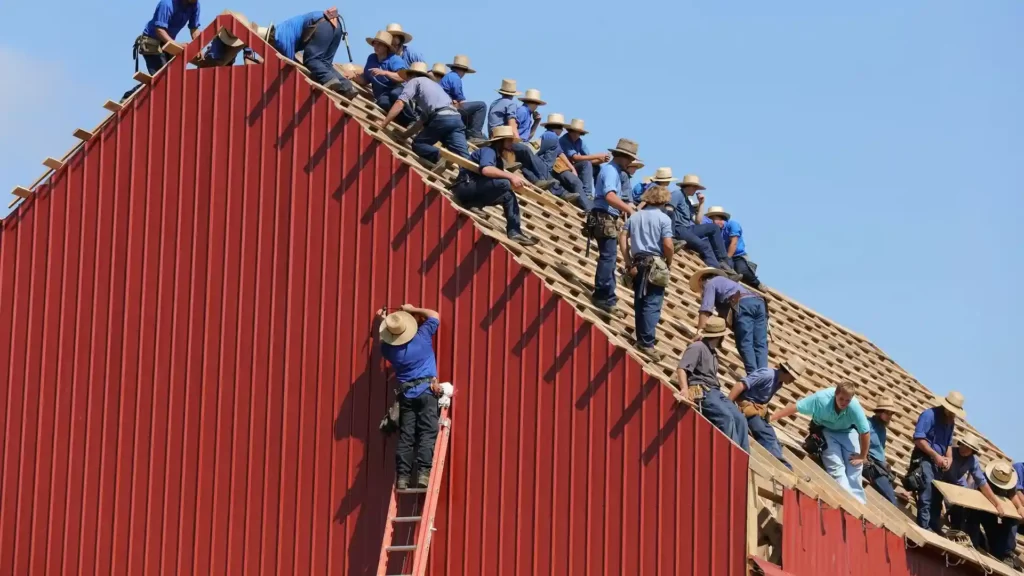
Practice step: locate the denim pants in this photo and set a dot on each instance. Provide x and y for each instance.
(534, 168)
(726, 416)
(388, 98)
(929, 500)
(835, 459)
(604, 276)
(572, 183)
(586, 171)
(883, 486)
(704, 239)
(647, 301)
(483, 191)
(318, 56)
(417, 431)
(743, 267)
(449, 130)
(764, 434)
(1001, 533)
(750, 324)
(473, 116)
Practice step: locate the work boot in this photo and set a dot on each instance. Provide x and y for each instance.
(729, 272)
(571, 197)
(477, 141)
(607, 308)
(403, 483)
(522, 239)
(652, 353)
(544, 184)
(423, 479)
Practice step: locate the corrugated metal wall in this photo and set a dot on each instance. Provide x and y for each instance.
(190, 383)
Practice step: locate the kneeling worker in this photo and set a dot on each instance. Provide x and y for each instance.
(437, 115)
(317, 35)
(1000, 537)
(752, 395)
(646, 246)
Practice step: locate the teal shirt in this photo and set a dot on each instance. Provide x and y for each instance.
(820, 406)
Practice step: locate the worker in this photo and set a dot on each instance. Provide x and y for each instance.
(399, 43)
(698, 375)
(550, 153)
(612, 187)
(438, 118)
(752, 395)
(932, 456)
(748, 310)
(505, 112)
(876, 470)
(169, 17)
(965, 471)
(662, 177)
(474, 114)
(736, 249)
(689, 231)
(586, 164)
(1000, 533)
(381, 74)
(843, 424)
(646, 246)
(317, 35)
(494, 185)
(407, 343)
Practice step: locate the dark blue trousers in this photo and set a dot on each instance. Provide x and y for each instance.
(764, 434)
(473, 116)
(647, 301)
(704, 239)
(318, 56)
(604, 276)
(726, 416)
(750, 323)
(483, 191)
(447, 129)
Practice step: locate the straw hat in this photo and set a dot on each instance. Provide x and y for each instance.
(1002, 475)
(228, 39)
(414, 69)
(398, 328)
(885, 403)
(382, 37)
(350, 67)
(794, 366)
(533, 95)
(971, 441)
(662, 176)
(555, 120)
(577, 126)
(462, 62)
(699, 275)
(656, 195)
(395, 29)
(718, 211)
(954, 402)
(715, 328)
(626, 147)
(438, 71)
(636, 164)
(502, 133)
(692, 180)
(266, 33)
(508, 88)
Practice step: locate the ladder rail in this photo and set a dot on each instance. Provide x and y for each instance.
(425, 530)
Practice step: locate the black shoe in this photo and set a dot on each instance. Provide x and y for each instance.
(403, 483)
(729, 272)
(544, 184)
(523, 239)
(423, 479)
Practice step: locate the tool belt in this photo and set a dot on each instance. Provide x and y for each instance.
(446, 111)
(874, 469)
(649, 268)
(815, 442)
(561, 165)
(695, 393)
(405, 386)
(601, 225)
(751, 409)
(146, 46)
(913, 480)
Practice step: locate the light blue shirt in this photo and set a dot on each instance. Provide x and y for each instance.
(879, 435)
(821, 407)
(612, 179)
(172, 16)
(426, 95)
(452, 84)
(501, 111)
(682, 208)
(524, 120)
(288, 34)
(409, 56)
(573, 148)
(646, 229)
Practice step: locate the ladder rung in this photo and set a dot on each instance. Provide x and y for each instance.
(406, 548)
(407, 519)
(412, 491)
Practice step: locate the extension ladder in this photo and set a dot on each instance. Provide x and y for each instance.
(421, 518)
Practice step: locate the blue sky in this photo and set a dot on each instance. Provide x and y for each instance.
(867, 148)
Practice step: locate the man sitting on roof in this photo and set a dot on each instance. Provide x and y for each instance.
(399, 43)
(841, 420)
(932, 457)
(612, 186)
(586, 164)
(748, 310)
(381, 74)
(877, 470)
(1000, 533)
(698, 375)
(965, 471)
(550, 153)
(704, 239)
(169, 17)
(752, 395)
(662, 177)
(646, 246)
(437, 116)
(473, 113)
(493, 185)
(506, 112)
(317, 35)
(736, 249)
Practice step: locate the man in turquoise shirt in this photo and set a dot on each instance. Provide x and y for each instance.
(842, 419)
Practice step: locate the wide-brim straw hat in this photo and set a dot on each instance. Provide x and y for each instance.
(970, 441)
(462, 62)
(662, 176)
(502, 133)
(438, 71)
(656, 195)
(398, 328)
(229, 39)
(718, 211)
(508, 87)
(1002, 475)
(627, 148)
(577, 125)
(701, 274)
(349, 67)
(414, 69)
(266, 33)
(636, 165)
(715, 328)
(954, 402)
(691, 180)
(795, 367)
(885, 403)
(383, 37)
(555, 120)
(395, 29)
(533, 95)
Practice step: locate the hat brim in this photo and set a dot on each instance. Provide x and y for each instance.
(725, 215)
(467, 69)
(721, 334)
(533, 100)
(228, 39)
(372, 41)
(409, 327)
(699, 275)
(500, 138)
(407, 37)
(1008, 485)
(576, 130)
(697, 186)
(405, 73)
(626, 153)
(507, 93)
(958, 412)
(549, 124)
(663, 182)
(969, 446)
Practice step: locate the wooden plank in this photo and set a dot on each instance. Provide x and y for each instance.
(459, 161)
(21, 192)
(973, 499)
(173, 48)
(752, 509)
(142, 78)
(53, 164)
(112, 106)
(83, 135)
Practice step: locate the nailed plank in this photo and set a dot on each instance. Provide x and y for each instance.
(112, 106)
(142, 78)
(21, 192)
(53, 164)
(83, 135)
(173, 48)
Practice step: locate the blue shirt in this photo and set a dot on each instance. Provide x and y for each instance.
(718, 291)
(172, 15)
(426, 95)
(732, 229)
(452, 84)
(638, 190)
(414, 359)
(409, 56)
(612, 179)
(963, 467)
(821, 407)
(761, 386)
(382, 84)
(524, 120)
(484, 156)
(879, 434)
(930, 427)
(682, 208)
(288, 34)
(1019, 468)
(549, 149)
(573, 148)
(646, 229)
(501, 111)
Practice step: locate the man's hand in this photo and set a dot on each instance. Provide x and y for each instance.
(378, 72)
(1000, 509)
(946, 463)
(608, 157)
(857, 459)
(517, 181)
(407, 308)
(1020, 511)
(697, 337)
(536, 116)
(435, 387)
(382, 313)
(940, 461)
(700, 197)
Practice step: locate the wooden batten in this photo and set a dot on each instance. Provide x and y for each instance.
(173, 48)
(83, 135)
(53, 164)
(21, 192)
(112, 106)
(143, 78)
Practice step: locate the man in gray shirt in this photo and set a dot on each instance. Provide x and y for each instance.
(646, 246)
(438, 118)
(698, 376)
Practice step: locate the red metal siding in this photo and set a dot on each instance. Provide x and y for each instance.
(191, 384)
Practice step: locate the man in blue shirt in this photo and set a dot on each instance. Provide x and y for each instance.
(399, 43)
(965, 471)
(612, 188)
(752, 395)
(506, 112)
(586, 164)
(932, 457)
(662, 177)
(438, 118)
(703, 238)
(646, 246)
(736, 249)
(169, 17)
(317, 35)
(473, 113)
(550, 154)
(748, 310)
(877, 471)
(381, 74)
(493, 185)
(1001, 480)
(408, 345)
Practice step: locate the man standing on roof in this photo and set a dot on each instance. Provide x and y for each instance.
(646, 246)
(843, 424)
(704, 239)
(473, 113)
(493, 186)
(1000, 539)
(585, 164)
(506, 112)
(749, 314)
(407, 343)
(437, 116)
(752, 395)
(317, 35)
(550, 153)
(736, 249)
(877, 470)
(399, 44)
(169, 17)
(613, 186)
(698, 376)
(932, 457)
(381, 74)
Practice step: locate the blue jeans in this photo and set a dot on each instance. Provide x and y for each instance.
(704, 239)
(473, 116)
(929, 500)
(534, 168)
(604, 276)
(750, 324)
(883, 486)
(449, 130)
(726, 416)
(586, 171)
(483, 191)
(572, 183)
(318, 56)
(835, 458)
(388, 98)
(764, 435)
(647, 301)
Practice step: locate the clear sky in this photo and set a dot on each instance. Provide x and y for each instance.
(873, 151)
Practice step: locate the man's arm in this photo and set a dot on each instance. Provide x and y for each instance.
(991, 497)
(624, 247)
(494, 172)
(668, 250)
(423, 312)
(737, 389)
(513, 123)
(702, 321)
(1018, 503)
(785, 413)
(684, 382)
(613, 200)
(536, 122)
(865, 445)
(733, 241)
(195, 33)
(163, 36)
(700, 208)
(606, 157)
(923, 445)
(396, 109)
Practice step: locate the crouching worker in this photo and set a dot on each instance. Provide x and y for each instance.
(752, 395)
(438, 118)
(749, 314)
(839, 422)
(494, 185)
(317, 35)
(380, 73)
(1000, 537)
(698, 375)
(169, 17)
(877, 470)
(407, 343)
(646, 246)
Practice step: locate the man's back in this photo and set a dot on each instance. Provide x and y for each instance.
(647, 228)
